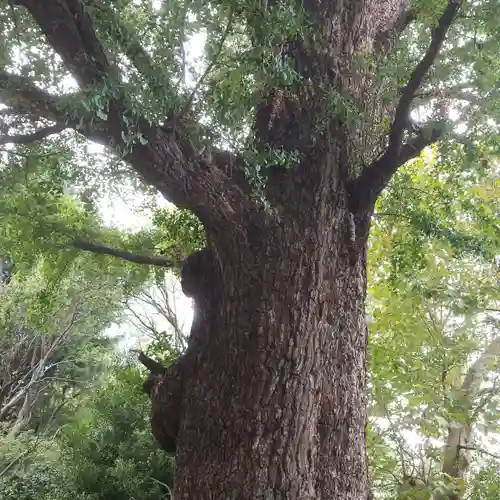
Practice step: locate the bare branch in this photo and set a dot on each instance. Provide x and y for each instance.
(146, 324)
(479, 450)
(151, 260)
(34, 136)
(36, 375)
(165, 306)
(153, 366)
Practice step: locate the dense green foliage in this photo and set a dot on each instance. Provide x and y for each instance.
(434, 302)
(104, 451)
(86, 434)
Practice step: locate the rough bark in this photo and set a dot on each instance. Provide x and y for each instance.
(273, 403)
(268, 400)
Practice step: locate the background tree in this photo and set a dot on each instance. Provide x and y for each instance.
(104, 450)
(316, 120)
(434, 304)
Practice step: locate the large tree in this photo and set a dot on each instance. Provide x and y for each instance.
(269, 399)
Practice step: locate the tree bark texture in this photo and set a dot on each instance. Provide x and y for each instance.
(273, 404)
(268, 402)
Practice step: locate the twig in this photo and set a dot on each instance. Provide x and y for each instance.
(187, 105)
(479, 450)
(161, 483)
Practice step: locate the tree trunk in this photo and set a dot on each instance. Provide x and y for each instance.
(275, 407)
(274, 401)
(23, 417)
(273, 395)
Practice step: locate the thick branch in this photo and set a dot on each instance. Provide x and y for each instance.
(405, 20)
(24, 98)
(20, 95)
(68, 28)
(427, 136)
(151, 260)
(35, 136)
(385, 39)
(365, 190)
(126, 39)
(167, 159)
(416, 78)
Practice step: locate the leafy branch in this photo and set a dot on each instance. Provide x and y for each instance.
(166, 159)
(128, 42)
